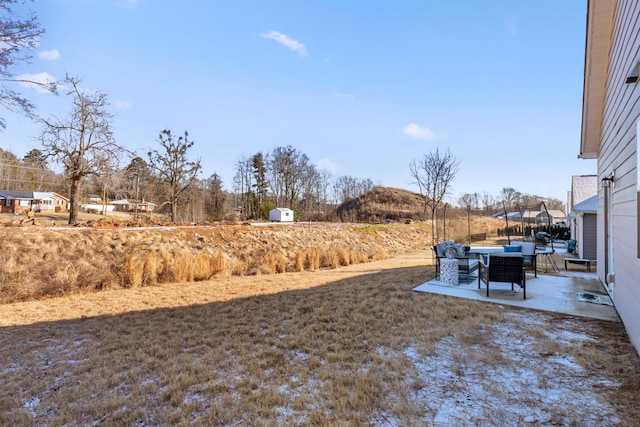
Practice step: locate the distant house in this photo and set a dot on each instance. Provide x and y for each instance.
(23, 201)
(555, 217)
(528, 217)
(94, 198)
(125, 205)
(583, 214)
(281, 215)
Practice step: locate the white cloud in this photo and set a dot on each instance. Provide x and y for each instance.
(418, 132)
(344, 95)
(512, 24)
(123, 105)
(292, 44)
(326, 164)
(34, 81)
(49, 55)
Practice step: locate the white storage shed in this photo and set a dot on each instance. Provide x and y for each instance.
(281, 215)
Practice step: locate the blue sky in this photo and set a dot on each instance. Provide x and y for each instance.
(361, 87)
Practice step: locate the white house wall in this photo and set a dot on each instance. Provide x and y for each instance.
(617, 156)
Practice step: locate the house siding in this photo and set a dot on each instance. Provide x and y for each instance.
(618, 153)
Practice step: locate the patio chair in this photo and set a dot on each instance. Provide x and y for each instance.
(504, 268)
(466, 265)
(528, 251)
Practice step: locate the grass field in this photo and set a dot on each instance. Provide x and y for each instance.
(347, 346)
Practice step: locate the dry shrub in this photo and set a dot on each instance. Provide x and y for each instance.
(299, 264)
(132, 271)
(63, 280)
(202, 267)
(359, 257)
(273, 263)
(218, 263)
(281, 263)
(167, 274)
(240, 268)
(312, 259)
(378, 255)
(343, 256)
(330, 259)
(184, 266)
(268, 264)
(150, 269)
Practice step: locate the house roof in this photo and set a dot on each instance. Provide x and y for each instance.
(526, 214)
(29, 195)
(10, 194)
(582, 188)
(600, 18)
(590, 205)
(553, 212)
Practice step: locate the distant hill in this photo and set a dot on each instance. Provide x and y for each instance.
(382, 204)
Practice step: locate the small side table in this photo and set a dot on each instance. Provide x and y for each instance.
(449, 271)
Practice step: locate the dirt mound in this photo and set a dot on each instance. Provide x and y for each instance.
(383, 204)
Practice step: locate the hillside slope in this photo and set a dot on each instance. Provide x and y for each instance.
(382, 204)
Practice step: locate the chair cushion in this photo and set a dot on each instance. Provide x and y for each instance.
(512, 248)
(528, 248)
(459, 250)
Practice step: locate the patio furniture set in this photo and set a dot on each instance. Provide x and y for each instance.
(508, 265)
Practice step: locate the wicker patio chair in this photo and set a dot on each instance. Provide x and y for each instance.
(466, 265)
(505, 269)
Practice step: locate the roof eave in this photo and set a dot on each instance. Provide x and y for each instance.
(600, 19)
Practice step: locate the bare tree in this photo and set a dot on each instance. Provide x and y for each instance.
(243, 184)
(17, 36)
(324, 180)
(288, 169)
(173, 168)
(509, 196)
(433, 175)
(83, 143)
(349, 187)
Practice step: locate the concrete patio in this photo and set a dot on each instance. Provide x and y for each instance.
(557, 293)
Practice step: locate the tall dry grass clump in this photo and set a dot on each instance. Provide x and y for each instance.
(132, 271)
(312, 259)
(273, 262)
(151, 268)
(299, 262)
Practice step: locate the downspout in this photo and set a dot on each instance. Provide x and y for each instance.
(609, 278)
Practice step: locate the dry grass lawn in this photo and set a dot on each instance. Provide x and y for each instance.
(349, 346)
